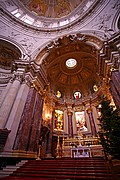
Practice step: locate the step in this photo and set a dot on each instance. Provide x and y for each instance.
(59, 175)
(9, 169)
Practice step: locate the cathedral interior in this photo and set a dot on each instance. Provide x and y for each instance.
(57, 58)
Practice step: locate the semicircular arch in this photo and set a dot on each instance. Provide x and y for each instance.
(44, 51)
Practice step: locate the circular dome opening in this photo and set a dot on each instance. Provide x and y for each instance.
(71, 63)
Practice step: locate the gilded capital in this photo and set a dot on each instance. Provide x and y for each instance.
(89, 110)
(69, 113)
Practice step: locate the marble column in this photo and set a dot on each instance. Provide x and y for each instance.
(70, 125)
(74, 124)
(115, 87)
(91, 120)
(8, 101)
(15, 115)
(22, 140)
(50, 137)
(65, 126)
(34, 133)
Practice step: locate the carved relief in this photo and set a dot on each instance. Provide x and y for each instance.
(9, 3)
(14, 35)
(115, 4)
(65, 40)
(27, 43)
(116, 61)
(103, 22)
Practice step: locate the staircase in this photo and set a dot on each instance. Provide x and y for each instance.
(62, 168)
(9, 169)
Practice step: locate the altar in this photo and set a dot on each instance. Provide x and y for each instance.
(79, 147)
(81, 152)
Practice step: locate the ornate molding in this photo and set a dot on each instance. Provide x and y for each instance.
(65, 40)
(86, 16)
(81, 12)
(71, 42)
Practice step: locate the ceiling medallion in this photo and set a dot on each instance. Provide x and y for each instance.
(71, 63)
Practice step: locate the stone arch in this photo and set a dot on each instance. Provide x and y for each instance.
(20, 49)
(41, 53)
(9, 53)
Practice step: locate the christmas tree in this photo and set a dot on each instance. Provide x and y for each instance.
(110, 129)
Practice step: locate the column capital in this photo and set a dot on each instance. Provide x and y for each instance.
(89, 110)
(69, 113)
(18, 75)
(28, 79)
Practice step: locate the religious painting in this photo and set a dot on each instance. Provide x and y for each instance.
(38, 6)
(77, 95)
(58, 120)
(62, 8)
(80, 121)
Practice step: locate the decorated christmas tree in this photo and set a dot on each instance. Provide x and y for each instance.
(110, 129)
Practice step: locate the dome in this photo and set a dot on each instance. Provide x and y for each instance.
(52, 8)
(51, 14)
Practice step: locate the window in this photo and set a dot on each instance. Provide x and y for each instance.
(71, 63)
(58, 94)
(17, 13)
(27, 19)
(77, 95)
(95, 88)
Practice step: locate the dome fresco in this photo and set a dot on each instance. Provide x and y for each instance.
(52, 8)
(51, 14)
